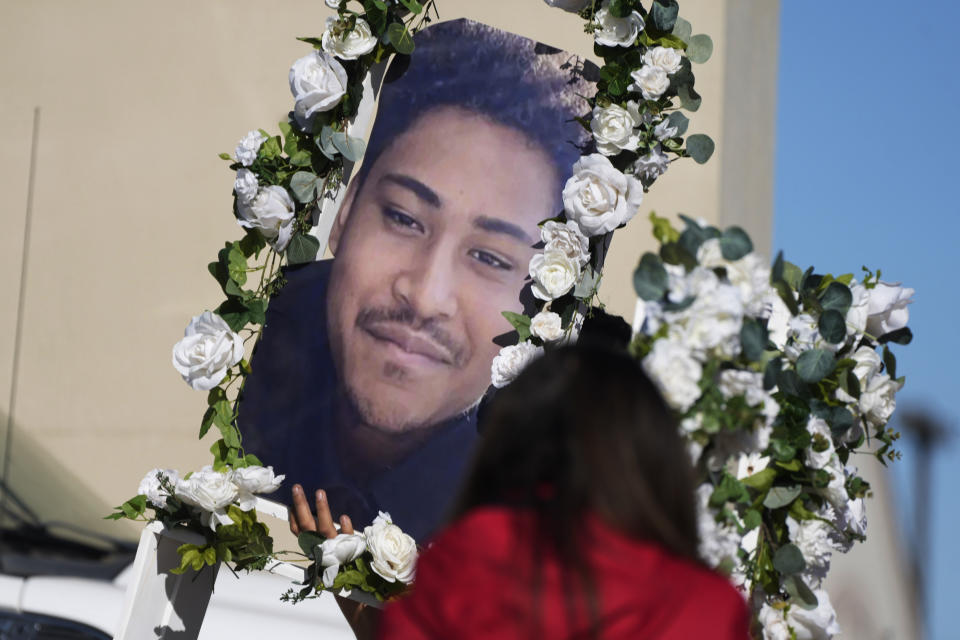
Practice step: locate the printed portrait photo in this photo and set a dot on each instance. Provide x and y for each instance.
(372, 365)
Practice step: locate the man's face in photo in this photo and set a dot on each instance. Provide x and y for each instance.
(429, 250)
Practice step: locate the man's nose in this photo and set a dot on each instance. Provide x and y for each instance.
(428, 285)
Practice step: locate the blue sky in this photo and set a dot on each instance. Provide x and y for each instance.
(867, 131)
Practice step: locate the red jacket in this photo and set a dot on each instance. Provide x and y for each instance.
(474, 582)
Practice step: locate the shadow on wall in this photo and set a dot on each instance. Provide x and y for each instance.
(50, 523)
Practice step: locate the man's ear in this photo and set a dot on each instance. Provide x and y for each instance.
(340, 222)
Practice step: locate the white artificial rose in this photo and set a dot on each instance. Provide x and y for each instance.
(718, 541)
(859, 309)
(855, 516)
(778, 321)
(573, 6)
(246, 185)
(650, 81)
(665, 130)
(750, 274)
(676, 373)
(208, 348)
(271, 212)
(666, 58)
(248, 147)
(612, 31)
(878, 399)
(712, 322)
(547, 326)
(318, 82)
(805, 335)
(749, 384)
(652, 164)
(252, 480)
(817, 624)
(774, 623)
(348, 45)
(211, 492)
(888, 308)
(615, 128)
(820, 451)
(553, 274)
(346, 547)
(151, 486)
(566, 238)
(599, 197)
(868, 364)
(511, 360)
(394, 553)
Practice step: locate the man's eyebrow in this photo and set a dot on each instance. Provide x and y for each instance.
(498, 225)
(419, 189)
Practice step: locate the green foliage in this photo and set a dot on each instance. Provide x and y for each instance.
(789, 559)
(700, 147)
(734, 242)
(753, 339)
(815, 364)
(832, 326)
(699, 48)
(400, 38)
(650, 277)
(519, 322)
(663, 15)
(781, 496)
(302, 248)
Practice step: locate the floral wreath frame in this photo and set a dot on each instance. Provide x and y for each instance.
(795, 377)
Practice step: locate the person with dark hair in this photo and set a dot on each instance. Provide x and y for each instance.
(577, 520)
(371, 366)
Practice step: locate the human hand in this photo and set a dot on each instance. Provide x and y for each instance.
(363, 620)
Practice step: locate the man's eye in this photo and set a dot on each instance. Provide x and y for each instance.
(490, 259)
(401, 220)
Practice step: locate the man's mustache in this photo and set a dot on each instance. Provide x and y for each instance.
(429, 328)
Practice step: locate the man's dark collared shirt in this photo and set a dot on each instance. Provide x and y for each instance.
(288, 409)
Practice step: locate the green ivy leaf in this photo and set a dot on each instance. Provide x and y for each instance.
(832, 326)
(308, 541)
(412, 5)
(789, 560)
(814, 365)
(400, 38)
(237, 264)
(699, 48)
(519, 322)
(302, 248)
(734, 242)
(650, 278)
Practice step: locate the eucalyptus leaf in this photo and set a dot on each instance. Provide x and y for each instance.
(700, 147)
(771, 373)
(781, 496)
(699, 48)
(664, 14)
(302, 248)
(680, 121)
(304, 186)
(351, 148)
(682, 29)
(832, 326)
(734, 242)
(689, 98)
(814, 365)
(650, 277)
(325, 142)
(800, 593)
(789, 560)
(900, 336)
(837, 296)
(753, 339)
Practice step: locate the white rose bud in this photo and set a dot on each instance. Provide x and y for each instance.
(211, 492)
(394, 552)
(888, 308)
(246, 185)
(318, 82)
(615, 128)
(652, 165)
(553, 273)
(567, 239)
(248, 147)
(349, 45)
(616, 32)
(573, 6)
(252, 480)
(207, 350)
(666, 58)
(272, 212)
(346, 547)
(547, 326)
(599, 197)
(877, 399)
(511, 360)
(650, 81)
(676, 373)
(151, 487)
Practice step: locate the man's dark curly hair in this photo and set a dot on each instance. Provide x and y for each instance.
(509, 79)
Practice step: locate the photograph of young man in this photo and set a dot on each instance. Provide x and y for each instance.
(371, 366)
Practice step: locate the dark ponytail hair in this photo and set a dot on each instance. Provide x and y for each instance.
(583, 430)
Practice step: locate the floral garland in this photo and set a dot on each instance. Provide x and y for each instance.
(776, 379)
